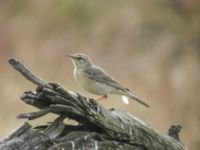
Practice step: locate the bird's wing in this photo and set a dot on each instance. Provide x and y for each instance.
(99, 75)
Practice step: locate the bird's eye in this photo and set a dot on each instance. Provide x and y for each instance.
(79, 58)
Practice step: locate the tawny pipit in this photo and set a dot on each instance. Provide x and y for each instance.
(95, 80)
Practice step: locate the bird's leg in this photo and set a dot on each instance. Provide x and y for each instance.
(99, 98)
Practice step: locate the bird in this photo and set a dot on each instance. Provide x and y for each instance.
(95, 80)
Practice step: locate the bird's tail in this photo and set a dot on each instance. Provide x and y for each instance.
(135, 98)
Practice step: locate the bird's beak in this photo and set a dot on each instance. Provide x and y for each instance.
(70, 56)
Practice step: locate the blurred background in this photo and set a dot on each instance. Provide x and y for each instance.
(151, 47)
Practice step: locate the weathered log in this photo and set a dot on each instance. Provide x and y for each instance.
(99, 128)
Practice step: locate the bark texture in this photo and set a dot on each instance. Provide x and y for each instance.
(98, 128)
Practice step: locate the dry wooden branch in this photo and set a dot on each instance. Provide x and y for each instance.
(98, 128)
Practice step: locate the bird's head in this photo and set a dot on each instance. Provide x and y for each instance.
(80, 60)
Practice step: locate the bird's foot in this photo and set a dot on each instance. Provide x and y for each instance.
(99, 98)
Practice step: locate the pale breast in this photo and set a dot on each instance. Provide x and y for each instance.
(90, 85)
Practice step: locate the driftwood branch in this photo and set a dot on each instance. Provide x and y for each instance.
(16, 64)
(98, 128)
